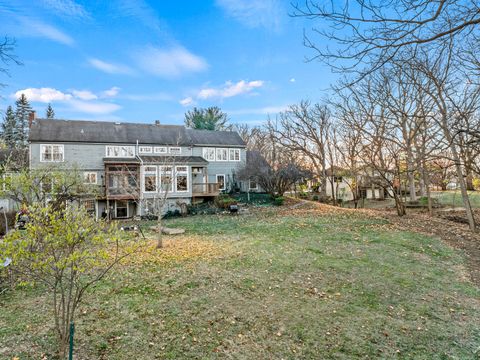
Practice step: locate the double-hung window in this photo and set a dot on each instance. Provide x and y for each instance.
(209, 154)
(181, 178)
(51, 153)
(150, 179)
(165, 175)
(89, 177)
(222, 154)
(234, 154)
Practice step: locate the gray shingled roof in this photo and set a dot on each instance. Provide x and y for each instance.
(44, 130)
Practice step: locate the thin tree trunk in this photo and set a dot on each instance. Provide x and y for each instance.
(458, 169)
(159, 233)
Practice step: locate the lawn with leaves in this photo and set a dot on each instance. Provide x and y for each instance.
(454, 198)
(268, 285)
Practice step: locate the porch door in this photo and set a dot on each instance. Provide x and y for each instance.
(121, 208)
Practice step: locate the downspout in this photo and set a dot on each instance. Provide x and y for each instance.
(140, 180)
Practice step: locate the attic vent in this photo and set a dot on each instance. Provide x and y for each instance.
(117, 123)
(81, 131)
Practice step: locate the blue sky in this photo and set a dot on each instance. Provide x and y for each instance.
(138, 60)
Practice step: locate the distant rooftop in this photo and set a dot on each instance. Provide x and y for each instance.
(47, 130)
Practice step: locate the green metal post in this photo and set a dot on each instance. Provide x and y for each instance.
(72, 331)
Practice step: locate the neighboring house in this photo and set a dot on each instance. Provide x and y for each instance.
(135, 164)
(343, 182)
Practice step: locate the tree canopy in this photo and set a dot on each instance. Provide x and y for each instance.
(211, 118)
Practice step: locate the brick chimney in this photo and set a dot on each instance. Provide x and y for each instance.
(31, 118)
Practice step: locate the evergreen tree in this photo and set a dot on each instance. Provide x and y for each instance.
(9, 128)
(22, 112)
(211, 118)
(50, 113)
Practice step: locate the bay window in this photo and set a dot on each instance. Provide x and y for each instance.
(150, 179)
(165, 174)
(181, 178)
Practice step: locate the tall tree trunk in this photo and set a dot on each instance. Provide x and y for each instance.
(459, 171)
(411, 183)
(421, 183)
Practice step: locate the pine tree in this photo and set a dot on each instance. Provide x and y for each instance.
(22, 112)
(211, 118)
(50, 113)
(9, 128)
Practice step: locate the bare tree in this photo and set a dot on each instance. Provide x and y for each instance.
(455, 99)
(304, 129)
(373, 33)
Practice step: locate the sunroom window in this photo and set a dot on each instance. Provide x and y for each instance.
(181, 178)
(150, 179)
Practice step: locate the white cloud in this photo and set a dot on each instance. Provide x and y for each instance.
(110, 68)
(44, 95)
(84, 95)
(112, 92)
(254, 13)
(292, 80)
(37, 28)
(170, 63)
(230, 89)
(78, 100)
(67, 8)
(187, 101)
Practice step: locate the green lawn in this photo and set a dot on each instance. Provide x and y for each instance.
(454, 198)
(299, 284)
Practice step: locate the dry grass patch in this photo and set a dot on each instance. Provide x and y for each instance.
(177, 249)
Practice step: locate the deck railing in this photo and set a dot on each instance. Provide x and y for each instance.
(210, 189)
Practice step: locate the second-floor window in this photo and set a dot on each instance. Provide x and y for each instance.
(160, 150)
(119, 151)
(145, 149)
(175, 150)
(51, 153)
(234, 154)
(222, 154)
(209, 154)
